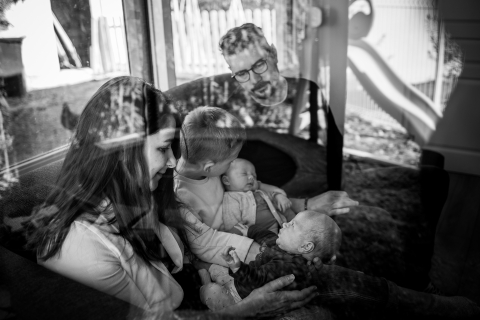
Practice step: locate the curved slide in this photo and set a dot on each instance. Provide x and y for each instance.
(405, 103)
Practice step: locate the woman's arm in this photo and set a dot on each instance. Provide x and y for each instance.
(268, 301)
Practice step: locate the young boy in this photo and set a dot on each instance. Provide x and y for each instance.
(210, 140)
(245, 204)
(310, 234)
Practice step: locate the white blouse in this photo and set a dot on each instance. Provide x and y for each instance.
(93, 255)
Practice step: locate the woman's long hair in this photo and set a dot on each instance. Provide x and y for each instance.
(105, 171)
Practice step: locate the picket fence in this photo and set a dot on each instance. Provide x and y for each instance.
(196, 34)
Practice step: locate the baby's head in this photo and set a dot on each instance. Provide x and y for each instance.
(240, 176)
(311, 234)
(211, 138)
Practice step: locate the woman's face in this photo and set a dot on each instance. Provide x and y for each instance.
(158, 153)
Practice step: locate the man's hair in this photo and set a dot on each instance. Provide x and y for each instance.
(325, 234)
(239, 38)
(210, 133)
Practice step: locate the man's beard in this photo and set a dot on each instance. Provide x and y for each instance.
(263, 90)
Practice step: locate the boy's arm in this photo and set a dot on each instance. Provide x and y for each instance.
(207, 243)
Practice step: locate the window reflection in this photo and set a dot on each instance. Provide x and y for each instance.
(49, 69)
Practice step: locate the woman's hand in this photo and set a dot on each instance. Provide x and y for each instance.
(333, 202)
(268, 301)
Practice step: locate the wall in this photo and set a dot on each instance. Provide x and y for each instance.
(457, 134)
(456, 260)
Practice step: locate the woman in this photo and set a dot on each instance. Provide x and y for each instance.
(105, 223)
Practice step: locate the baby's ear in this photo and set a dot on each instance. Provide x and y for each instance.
(225, 180)
(307, 247)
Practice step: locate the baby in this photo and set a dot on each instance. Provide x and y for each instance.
(244, 204)
(310, 234)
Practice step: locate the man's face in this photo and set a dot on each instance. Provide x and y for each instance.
(241, 176)
(291, 236)
(260, 86)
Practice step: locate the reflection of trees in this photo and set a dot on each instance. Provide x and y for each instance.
(453, 55)
(6, 175)
(447, 54)
(75, 18)
(120, 113)
(4, 6)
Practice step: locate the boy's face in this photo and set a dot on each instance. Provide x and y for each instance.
(241, 176)
(292, 235)
(221, 167)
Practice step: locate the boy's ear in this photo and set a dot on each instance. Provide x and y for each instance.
(306, 247)
(207, 166)
(225, 180)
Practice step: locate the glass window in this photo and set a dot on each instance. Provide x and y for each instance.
(49, 69)
(324, 88)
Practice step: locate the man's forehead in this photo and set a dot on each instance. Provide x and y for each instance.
(246, 57)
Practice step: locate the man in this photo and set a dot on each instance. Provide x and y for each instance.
(253, 63)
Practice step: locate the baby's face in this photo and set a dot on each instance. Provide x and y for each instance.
(241, 176)
(291, 236)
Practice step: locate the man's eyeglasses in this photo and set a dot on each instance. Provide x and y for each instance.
(258, 67)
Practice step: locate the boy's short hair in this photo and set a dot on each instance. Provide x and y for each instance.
(210, 133)
(239, 38)
(326, 235)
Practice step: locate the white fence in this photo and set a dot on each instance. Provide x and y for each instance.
(108, 52)
(196, 34)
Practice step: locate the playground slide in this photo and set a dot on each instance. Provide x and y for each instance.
(406, 104)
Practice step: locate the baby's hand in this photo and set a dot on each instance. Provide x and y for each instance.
(242, 228)
(231, 258)
(282, 202)
(226, 255)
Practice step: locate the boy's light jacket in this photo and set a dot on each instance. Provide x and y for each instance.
(203, 212)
